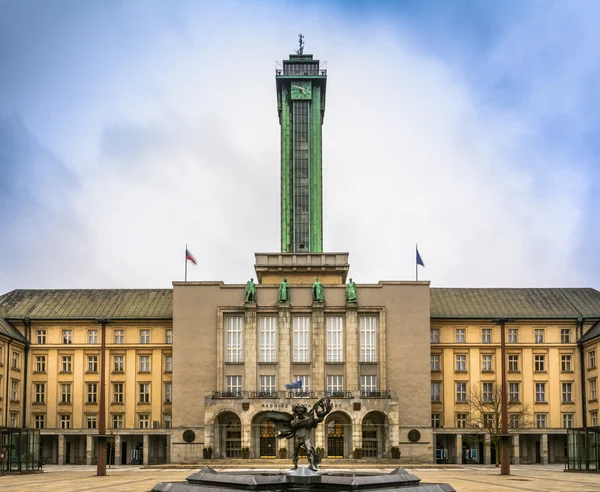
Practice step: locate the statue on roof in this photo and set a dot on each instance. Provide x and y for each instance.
(284, 287)
(351, 296)
(300, 50)
(250, 291)
(318, 293)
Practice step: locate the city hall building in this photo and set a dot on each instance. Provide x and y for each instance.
(191, 371)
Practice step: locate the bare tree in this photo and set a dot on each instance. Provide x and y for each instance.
(486, 412)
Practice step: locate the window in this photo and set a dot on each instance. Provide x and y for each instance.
(92, 363)
(305, 383)
(119, 336)
(40, 393)
(92, 336)
(16, 359)
(487, 392)
(486, 335)
(119, 363)
(267, 328)
(435, 362)
(65, 393)
(40, 363)
(300, 328)
(593, 390)
(40, 421)
(168, 392)
(144, 363)
(434, 335)
(460, 335)
(540, 420)
(461, 392)
(461, 420)
(513, 363)
(13, 419)
(591, 359)
(540, 392)
(513, 335)
(436, 420)
(40, 336)
(565, 363)
(514, 393)
(488, 420)
(233, 337)
(169, 336)
(66, 365)
(567, 419)
(92, 392)
(567, 392)
(144, 393)
(267, 384)
(144, 421)
(594, 418)
(486, 363)
(67, 336)
(65, 421)
(538, 335)
(234, 385)
(461, 363)
(14, 391)
(436, 395)
(117, 392)
(144, 336)
(539, 363)
(117, 420)
(565, 335)
(335, 347)
(368, 384)
(368, 339)
(168, 363)
(514, 421)
(91, 421)
(335, 384)
(168, 420)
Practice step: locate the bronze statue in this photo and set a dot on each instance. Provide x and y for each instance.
(351, 296)
(318, 291)
(284, 287)
(298, 426)
(250, 291)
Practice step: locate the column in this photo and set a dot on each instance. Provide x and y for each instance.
(284, 354)
(88, 449)
(459, 449)
(516, 450)
(320, 436)
(317, 355)
(352, 348)
(544, 446)
(356, 434)
(168, 456)
(246, 437)
(487, 454)
(117, 449)
(250, 347)
(61, 449)
(146, 449)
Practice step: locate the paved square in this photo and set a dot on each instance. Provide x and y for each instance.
(534, 478)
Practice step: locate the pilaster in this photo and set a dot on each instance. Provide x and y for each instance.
(516, 450)
(145, 449)
(283, 341)
(317, 355)
(487, 454)
(250, 347)
(459, 449)
(61, 449)
(118, 449)
(352, 349)
(544, 446)
(89, 443)
(356, 435)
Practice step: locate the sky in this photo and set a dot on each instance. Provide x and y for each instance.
(129, 129)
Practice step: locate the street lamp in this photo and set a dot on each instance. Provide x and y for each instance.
(505, 438)
(101, 449)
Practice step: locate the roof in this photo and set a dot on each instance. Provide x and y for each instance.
(515, 303)
(10, 331)
(87, 303)
(593, 332)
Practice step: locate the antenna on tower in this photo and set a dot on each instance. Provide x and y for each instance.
(300, 49)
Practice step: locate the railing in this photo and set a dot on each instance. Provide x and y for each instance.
(339, 394)
(297, 394)
(264, 394)
(279, 71)
(301, 394)
(219, 395)
(376, 394)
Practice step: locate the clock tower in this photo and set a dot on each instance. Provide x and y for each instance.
(301, 106)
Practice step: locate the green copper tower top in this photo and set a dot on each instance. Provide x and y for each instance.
(301, 106)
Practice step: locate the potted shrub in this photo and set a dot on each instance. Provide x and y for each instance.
(205, 453)
(283, 453)
(245, 453)
(395, 453)
(358, 452)
(321, 452)
(209, 452)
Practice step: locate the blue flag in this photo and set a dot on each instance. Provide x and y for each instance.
(419, 259)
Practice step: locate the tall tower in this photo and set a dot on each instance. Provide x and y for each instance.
(301, 107)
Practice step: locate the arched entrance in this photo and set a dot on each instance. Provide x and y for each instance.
(338, 434)
(374, 434)
(228, 435)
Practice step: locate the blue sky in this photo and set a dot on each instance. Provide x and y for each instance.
(130, 128)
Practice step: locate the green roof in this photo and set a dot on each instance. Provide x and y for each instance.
(514, 303)
(10, 331)
(89, 303)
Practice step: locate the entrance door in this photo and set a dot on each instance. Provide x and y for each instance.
(335, 439)
(538, 454)
(268, 440)
(123, 452)
(369, 439)
(68, 453)
(233, 440)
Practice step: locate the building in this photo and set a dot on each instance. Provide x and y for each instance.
(191, 371)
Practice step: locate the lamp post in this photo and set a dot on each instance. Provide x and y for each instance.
(101, 448)
(505, 438)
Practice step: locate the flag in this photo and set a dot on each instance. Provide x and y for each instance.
(190, 257)
(419, 259)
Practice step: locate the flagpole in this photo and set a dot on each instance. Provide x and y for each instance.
(185, 262)
(416, 263)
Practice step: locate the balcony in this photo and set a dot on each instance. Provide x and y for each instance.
(299, 394)
(386, 394)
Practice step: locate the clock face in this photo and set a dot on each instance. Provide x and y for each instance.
(301, 89)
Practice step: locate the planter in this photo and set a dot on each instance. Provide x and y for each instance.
(395, 453)
(358, 453)
(245, 453)
(283, 453)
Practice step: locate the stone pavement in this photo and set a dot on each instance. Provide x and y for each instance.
(534, 478)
